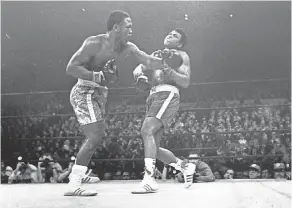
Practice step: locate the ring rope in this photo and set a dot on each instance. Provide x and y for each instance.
(201, 158)
(125, 88)
(143, 112)
(185, 134)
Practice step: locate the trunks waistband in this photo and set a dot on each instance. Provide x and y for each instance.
(164, 87)
(87, 83)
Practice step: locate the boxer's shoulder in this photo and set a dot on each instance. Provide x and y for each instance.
(131, 47)
(97, 40)
(92, 44)
(185, 56)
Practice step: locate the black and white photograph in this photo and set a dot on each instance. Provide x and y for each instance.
(137, 104)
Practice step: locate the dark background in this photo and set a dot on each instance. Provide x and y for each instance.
(38, 39)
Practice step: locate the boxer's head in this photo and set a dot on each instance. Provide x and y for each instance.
(176, 39)
(120, 23)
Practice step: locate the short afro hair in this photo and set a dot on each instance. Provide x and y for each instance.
(183, 40)
(116, 17)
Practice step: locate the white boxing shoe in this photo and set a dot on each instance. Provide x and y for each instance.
(80, 191)
(90, 179)
(75, 186)
(148, 185)
(188, 170)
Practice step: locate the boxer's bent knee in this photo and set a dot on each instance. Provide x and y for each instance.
(150, 126)
(94, 130)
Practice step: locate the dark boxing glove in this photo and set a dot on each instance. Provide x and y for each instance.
(110, 72)
(172, 59)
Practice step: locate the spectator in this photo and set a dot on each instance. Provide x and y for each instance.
(203, 171)
(24, 173)
(266, 174)
(48, 171)
(254, 171)
(6, 172)
(229, 174)
(118, 126)
(217, 175)
(239, 175)
(288, 171)
(279, 170)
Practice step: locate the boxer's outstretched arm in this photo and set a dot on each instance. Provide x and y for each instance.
(76, 64)
(149, 61)
(183, 74)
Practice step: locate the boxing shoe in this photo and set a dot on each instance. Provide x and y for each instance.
(75, 184)
(90, 179)
(148, 185)
(87, 178)
(188, 170)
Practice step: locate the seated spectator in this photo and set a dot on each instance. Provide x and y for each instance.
(239, 175)
(133, 176)
(254, 171)
(24, 173)
(48, 171)
(288, 171)
(217, 175)
(203, 171)
(266, 173)
(126, 176)
(107, 176)
(245, 174)
(64, 175)
(229, 174)
(6, 172)
(279, 170)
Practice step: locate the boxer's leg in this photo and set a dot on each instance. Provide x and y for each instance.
(166, 156)
(90, 116)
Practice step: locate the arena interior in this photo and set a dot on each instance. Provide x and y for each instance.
(235, 116)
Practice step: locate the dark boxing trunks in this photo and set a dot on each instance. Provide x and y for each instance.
(163, 103)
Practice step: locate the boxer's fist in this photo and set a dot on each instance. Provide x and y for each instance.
(174, 60)
(166, 53)
(142, 84)
(110, 72)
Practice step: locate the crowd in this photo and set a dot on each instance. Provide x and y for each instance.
(189, 129)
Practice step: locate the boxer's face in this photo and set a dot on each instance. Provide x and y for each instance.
(124, 30)
(172, 40)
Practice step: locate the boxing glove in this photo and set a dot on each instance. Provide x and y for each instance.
(142, 84)
(110, 72)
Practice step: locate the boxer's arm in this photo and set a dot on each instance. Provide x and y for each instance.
(183, 74)
(76, 64)
(140, 69)
(206, 176)
(149, 61)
